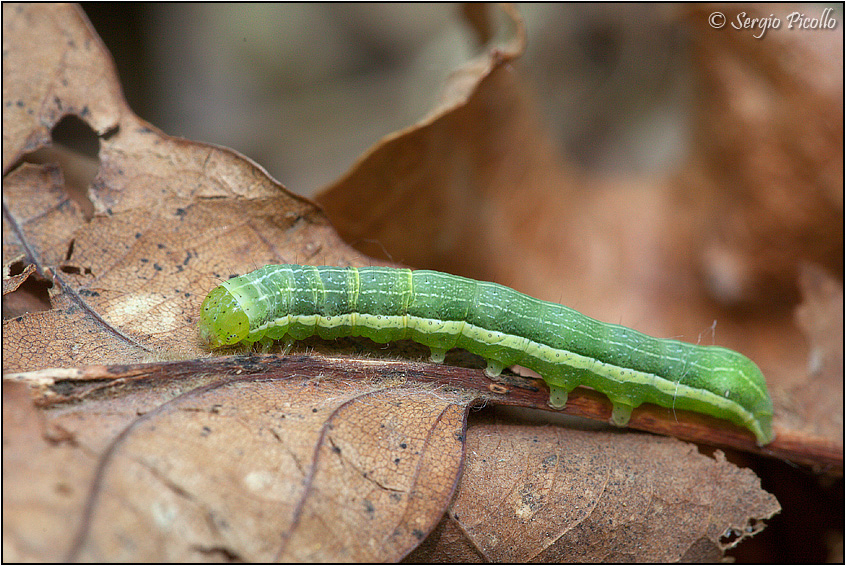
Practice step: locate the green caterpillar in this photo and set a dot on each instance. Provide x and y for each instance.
(503, 326)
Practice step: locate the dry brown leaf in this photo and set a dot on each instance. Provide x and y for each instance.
(767, 175)
(12, 282)
(128, 281)
(278, 471)
(46, 479)
(274, 466)
(550, 494)
(50, 458)
(53, 76)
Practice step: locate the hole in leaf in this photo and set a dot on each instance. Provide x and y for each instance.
(77, 136)
(76, 270)
(16, 268)
(32, 296)
(75, 149)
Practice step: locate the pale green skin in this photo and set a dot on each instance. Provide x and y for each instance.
(503, 326)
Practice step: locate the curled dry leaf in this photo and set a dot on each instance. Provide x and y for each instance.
(12, 282)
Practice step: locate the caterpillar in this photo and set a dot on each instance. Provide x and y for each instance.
(504, 326)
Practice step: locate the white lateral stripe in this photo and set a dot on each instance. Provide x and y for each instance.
(617, 374)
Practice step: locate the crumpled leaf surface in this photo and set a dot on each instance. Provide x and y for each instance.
(147, 462)
(282, 467)
(563, 497)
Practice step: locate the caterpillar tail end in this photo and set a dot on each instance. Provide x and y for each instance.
(763, 430)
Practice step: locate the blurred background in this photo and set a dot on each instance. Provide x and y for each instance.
(746, 132)
(305, 89)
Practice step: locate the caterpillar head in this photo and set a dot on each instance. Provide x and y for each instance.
(222, 320)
